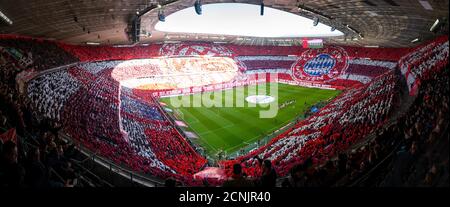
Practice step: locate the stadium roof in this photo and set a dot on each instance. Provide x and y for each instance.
(244, 20)
(383, 23)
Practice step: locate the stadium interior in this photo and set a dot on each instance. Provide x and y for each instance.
(90, 93)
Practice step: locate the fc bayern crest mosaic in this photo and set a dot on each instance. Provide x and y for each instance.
(194, 50)
(320, 64)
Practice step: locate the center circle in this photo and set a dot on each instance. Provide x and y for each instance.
(260, 99)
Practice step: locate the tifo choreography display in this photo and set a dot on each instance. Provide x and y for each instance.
(106, 101)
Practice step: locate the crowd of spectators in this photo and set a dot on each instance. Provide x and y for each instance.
(40, 160)
(384, 54)
(266, 62)
(359, 71)
(348, 118)
(87, 101)
(238, 178)
(194, 49)
(411, 152)
(160, 73)
(367, 61)
(153, 136)
(365, 70)
(420, 62)
(101, 53)
(43, 54)
(49, 93)
(148, 143)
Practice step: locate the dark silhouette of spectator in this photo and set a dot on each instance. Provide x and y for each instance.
(170, 183)
(37, 175)
(286, 183)
(237, 179)
(298, 177)
(269, 176)
(11, 172)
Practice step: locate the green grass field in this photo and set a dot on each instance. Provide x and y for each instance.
(231, 128)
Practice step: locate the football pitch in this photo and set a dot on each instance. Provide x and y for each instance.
(229, 129)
